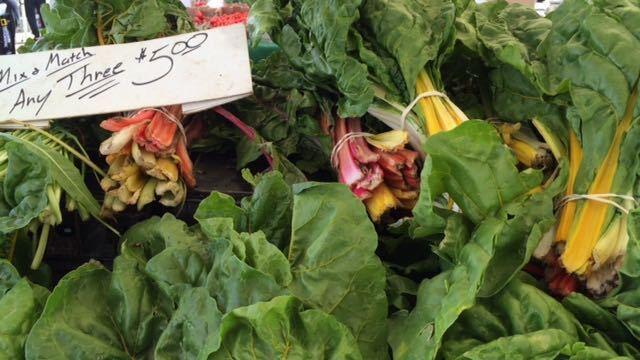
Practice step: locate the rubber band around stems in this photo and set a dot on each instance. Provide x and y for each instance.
(168, 116)
(602, 198)
(354, 135)
(335, 162)
(409, 108)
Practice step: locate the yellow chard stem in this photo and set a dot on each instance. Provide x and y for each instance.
(433, 125)
(568, 211)
(525, 153)
(584, 236)
(447, 122)
(381, 201)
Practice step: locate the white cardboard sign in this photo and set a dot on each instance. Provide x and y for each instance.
(200, 70)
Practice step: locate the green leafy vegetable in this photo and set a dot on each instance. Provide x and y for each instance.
(20, 305)
(315, 37)
(74, 23)
(92, 313)
(281, 328)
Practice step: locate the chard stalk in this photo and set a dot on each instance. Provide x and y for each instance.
(391, 117)
(247, 130)
(71, 204)
(558, 149)
(84, 214)
(349, 169)
(568, 211)
(54, 194)
(42, 245)
(380, 202)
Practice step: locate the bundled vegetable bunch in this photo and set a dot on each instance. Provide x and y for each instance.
(205, 17)
(38, 179)
(377, 168)
(148, 159)
(592, 233)
(587, 111)
(360, 50)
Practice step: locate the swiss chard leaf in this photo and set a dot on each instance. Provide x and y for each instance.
(69, 24)
(315, 39)
(509, 224)
(93, 313)
(24, 189)
(429, 25)
(476, 169)
(267, 210)
(333, 262)
(281, 328)
(148, 238)
(192, 329)
(20, 305)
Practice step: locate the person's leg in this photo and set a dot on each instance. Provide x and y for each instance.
(12, 34)
(31, 6)
(40, 19)
(7, 41)
(14, 5)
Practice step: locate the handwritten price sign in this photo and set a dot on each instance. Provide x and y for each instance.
(200, 70)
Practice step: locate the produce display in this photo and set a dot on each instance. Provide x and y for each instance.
(428, 179)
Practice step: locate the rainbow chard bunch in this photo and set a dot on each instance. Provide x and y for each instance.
(377, 168)
(148, 159)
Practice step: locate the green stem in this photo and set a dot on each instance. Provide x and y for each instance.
(42, 245)
(54, 193)
(14, 240)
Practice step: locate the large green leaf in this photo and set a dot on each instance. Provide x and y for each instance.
(331, 256)
(315, 39)
(24, 189)
(429, 25)
(238, 269)
(69, 24)
(193, 328)
(93, 314)
(148, 238)
(594, 53)
(519, 309)
(472, 165)
(179, 269)
(477, 170)
(20, 305)
(267, 210)
(333, 261)
(500, 246)
(280, 329)
(234, 283)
